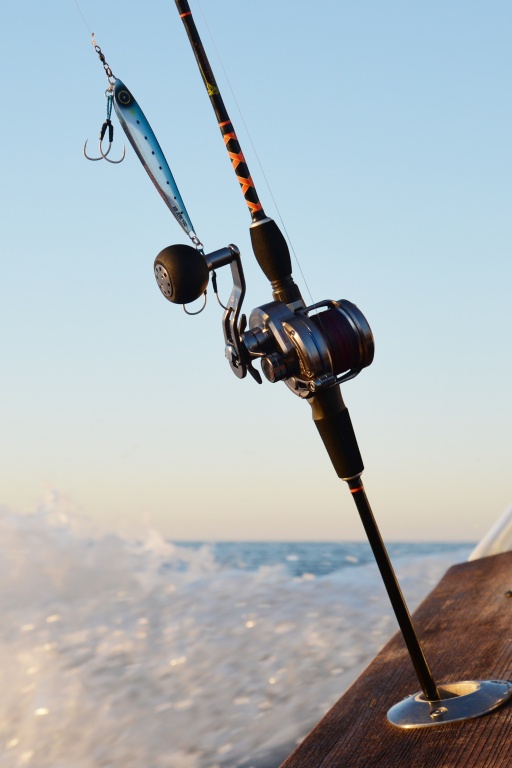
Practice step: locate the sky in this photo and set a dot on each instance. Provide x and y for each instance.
(383, 131)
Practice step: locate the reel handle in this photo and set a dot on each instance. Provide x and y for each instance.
(182, 273)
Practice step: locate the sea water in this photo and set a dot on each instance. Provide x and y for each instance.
(152, 654)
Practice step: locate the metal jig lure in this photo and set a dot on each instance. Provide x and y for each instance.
(140, 135)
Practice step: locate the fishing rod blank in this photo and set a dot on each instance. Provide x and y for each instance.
(226, 126)
(268, 242)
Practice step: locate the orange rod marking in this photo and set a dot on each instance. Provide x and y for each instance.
(254, 206)
(188, 13)
(237, 158)
(355, 490)
(245, 183)
(229, 136)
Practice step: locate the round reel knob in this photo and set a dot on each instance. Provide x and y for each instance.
(181, 273)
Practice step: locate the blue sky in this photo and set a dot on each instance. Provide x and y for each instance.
(384, 132)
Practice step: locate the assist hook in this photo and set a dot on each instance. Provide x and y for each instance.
(106, 124)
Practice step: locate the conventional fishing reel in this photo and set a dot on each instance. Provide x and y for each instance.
(309, 348)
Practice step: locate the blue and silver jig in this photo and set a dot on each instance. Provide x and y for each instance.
(147, 148)
(143, 140)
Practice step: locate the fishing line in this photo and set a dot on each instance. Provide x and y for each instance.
(255, 153)
(83, 18)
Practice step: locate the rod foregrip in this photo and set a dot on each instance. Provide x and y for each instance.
(273, 256)
(332, 420)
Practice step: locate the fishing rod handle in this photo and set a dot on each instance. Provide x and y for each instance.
(273, 256)
(334, 425)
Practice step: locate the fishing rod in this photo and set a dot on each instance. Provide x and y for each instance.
(313, 354)
(312, 349)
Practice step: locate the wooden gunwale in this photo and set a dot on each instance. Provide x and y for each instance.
(465, 625)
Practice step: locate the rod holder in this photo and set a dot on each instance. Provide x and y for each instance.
(457, 702)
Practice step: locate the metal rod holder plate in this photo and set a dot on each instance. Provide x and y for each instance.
(459, 701)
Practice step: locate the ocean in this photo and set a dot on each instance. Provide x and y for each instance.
(153, 654)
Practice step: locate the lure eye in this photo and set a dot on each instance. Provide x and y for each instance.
(124, 98)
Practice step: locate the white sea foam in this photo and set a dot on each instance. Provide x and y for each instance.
(151, 655)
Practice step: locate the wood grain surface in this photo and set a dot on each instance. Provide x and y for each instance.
(465, 625)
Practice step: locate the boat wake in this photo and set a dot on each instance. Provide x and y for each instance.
(148, 654)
